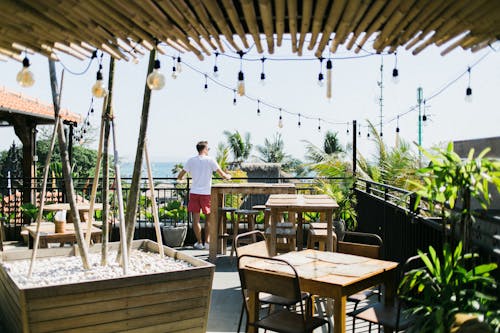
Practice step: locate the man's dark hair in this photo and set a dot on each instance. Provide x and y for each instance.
(201, 145)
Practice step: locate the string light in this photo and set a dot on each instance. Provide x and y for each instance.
(174, 70)
(25, 77)
(397, 126)
(395, 71)
(280, 121)
(258, 107)
(155, 79)
(347, 129)
(179, 64)
(329, 79)
(241, 77)
(206, 83)
(319, 124)
(216, 69)
(98, 89)
(298, 124)
(234, 96)
(262, 74)
(468, 91)
(424, 117)
(320, 75)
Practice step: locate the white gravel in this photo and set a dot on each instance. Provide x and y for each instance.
(67, 270)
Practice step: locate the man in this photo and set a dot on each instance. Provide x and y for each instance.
(200, 168)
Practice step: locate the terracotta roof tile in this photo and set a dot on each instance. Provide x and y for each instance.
(17, 102)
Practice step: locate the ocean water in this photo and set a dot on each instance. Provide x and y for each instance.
(160, 169)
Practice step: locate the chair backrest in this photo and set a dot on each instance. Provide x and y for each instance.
(369, 245)
(284, 283)
(251, 243)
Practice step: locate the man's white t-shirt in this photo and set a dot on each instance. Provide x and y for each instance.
(201, 168)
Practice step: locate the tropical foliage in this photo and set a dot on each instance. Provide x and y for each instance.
(331, 146)
(273, 151)
(448, 285)
(239, 146)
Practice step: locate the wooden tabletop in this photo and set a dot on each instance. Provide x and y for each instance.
(301, 201)
(65, 206)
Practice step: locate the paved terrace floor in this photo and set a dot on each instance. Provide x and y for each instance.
(226, 297)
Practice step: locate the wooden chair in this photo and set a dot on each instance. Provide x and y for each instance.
(223, 235)
(368, 245)
(382, 314)
(254, 243)
(282, 285)
(242, 216)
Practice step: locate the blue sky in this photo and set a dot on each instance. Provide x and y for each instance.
(183, 113)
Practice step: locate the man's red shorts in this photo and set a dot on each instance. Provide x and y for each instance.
(199, 202)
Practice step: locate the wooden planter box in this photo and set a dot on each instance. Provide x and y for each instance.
(161, 302)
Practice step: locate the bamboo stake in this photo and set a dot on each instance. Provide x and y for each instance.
(306, 22)
(331, 22)
(153, 200)
(136, 175)
(235, 21)
(319, 13)
(44, 183)
(292, 22)
(280, 20)
(203, 17)
(123, 233)
(251, 19)
(218, 18)
(68, 181)
(266, 16)
(95, 182)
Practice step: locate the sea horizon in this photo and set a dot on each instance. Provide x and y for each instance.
(160, 169)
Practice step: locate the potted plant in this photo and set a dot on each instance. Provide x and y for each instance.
(174, 235)
(454, 283)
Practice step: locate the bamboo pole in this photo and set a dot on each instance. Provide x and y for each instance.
(306, 22)
(46, 167)
(292, 22)
(235, 21)
(319, 13)
(280, 21)
(153, 201)
(330, 24)
(217, 16)
(123, 233)
(203, 17)
(133, 197)
(66, 168)
(400, 15)
(352, 25)
(251, 19)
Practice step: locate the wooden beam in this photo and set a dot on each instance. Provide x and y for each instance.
(203, 16)
(218, 18)
(331, 23)
(370, 15)
(251, 20)
(292, 22)
(235, 21)
(307, 6)
(266, 15)
(280, 20)
(319, 13)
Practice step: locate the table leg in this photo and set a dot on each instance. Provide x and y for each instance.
(274, 220)
(253, 307)
(214, 230)
(339, 313)
(329, 231)
(390, 282)
(300, 232)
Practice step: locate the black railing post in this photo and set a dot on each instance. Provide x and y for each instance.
(354, 147)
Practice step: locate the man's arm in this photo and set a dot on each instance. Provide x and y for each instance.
(223, 174)
(181, 174)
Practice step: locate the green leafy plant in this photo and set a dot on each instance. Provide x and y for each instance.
(29, 210)
(175, 211)
(448, 285)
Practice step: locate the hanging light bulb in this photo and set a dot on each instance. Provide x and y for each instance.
(241, 83)
(397, 126)
(368, 135)
(179, 65)
(155, 79)
(299, 123)
(135, 61)
(395, 71)
(262, 74)
(205, 87)
(347, 129)
(319, 125)
(468, 91)
(280, 121)
(174, 70)
(216, 69)
(320, 75)
(234, 97)
(258, 107)
(424, 117)
(329, 79)
(98, 89)
(25, 77)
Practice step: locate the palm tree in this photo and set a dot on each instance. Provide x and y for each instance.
(331, 146)
(222, 155)
(239, 146)
(273, 151)
(176, 168)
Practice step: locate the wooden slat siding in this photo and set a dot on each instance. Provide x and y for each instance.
(279, 6)
(10, 309)
(42, 253)
(251, 20)
(305, 23)
(382, 17)
(317, 22)
(160, 17)
(193, 20)
(116, 321)
(331, 22)
(400, 15)
(439, 21)
(368, 17)
(235, 21)
(292, 22)
(203, 16)
(218, 18)
(38, 305)
(185, 326)
(347, 23)
(364, 250)
(122, 314)
(266, 14)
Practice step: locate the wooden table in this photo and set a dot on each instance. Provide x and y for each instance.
(83, 209)
(217, 200)
(48, 234)
(298, 203)
(331, 274)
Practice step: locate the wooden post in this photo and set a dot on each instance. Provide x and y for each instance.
(136, 175)
(153, 202)
(68, 181)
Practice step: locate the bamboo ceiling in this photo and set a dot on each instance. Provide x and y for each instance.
(118, 27)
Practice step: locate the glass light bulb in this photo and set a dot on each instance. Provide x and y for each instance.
(178, 65)
(241, 88)
(395, 76)
(329, 84)
(234, 101)
(263, 79)
(468, 95)
(135, 61)
(205, 88)
(280, 123)
(98, 89)
(25, 77)
(155, 80)
(174, 73)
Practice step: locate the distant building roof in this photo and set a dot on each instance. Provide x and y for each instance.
(462, 147)
(16, 103)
